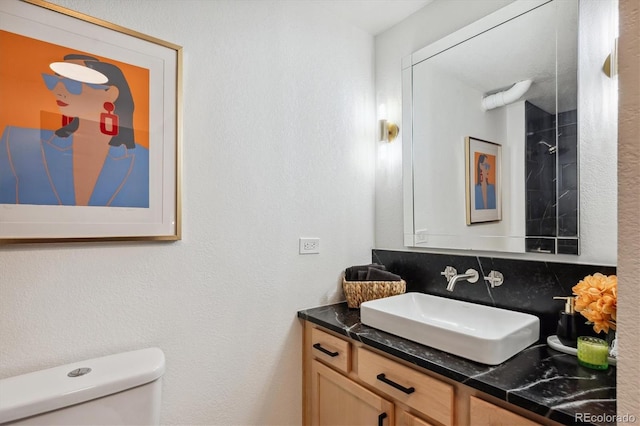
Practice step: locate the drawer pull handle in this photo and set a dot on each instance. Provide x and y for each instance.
(384, 379)
(321, 349)
(381, 417)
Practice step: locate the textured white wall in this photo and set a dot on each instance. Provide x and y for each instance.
(628, 373)
(278, 143)
(598, 188)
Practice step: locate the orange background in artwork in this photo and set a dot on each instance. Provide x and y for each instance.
(491, 159)
(25, 101)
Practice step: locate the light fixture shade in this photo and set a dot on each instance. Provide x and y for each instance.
(610, 67)
(388, 131)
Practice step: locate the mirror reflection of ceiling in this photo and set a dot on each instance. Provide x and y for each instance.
(474, 61)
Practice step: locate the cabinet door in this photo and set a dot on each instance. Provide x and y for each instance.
(407, 419)
(486, 414)
(337, 400)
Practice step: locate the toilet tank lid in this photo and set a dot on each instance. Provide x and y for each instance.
(51, 389)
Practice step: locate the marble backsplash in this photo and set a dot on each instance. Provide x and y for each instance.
(529, 286)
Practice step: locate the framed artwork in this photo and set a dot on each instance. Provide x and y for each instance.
(89, 129)
(483, 180)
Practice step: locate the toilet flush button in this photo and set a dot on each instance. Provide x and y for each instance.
(79, 372)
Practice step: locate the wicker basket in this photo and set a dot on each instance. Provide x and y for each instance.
(357, 292)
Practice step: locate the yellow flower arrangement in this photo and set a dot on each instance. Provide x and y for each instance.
(596, 300)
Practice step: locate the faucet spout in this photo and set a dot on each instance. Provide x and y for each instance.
(470, 275)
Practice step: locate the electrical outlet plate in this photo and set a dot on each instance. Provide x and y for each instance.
(421, 236)
(309, 246)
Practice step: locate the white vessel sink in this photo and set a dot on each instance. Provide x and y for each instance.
(480, 333)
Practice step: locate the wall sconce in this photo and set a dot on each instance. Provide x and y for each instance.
(388, 131)
(610, 67)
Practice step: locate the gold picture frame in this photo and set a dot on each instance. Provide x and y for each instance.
(483, 180)
(90, 129)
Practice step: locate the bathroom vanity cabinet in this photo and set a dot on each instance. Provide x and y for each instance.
(348, 383)
(354, 374)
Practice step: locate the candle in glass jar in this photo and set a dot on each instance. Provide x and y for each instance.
(593, 352)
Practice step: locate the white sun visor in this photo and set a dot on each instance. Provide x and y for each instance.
(78, 72)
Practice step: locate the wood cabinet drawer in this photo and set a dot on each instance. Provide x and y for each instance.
(331, 350)
(407, 419)
(487, 414)
(417, 390)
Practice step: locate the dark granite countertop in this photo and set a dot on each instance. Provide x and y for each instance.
(539, 379)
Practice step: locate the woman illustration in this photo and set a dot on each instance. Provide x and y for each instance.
(485, 191)
(92, 159)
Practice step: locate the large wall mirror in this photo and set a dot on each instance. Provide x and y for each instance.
(493, 122)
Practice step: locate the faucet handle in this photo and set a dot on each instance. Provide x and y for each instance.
(495, 278)
(449, 272)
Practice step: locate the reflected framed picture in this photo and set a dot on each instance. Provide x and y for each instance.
(483, 181)
(89, 129)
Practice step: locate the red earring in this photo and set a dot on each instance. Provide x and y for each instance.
(106, 117)
(66, 120)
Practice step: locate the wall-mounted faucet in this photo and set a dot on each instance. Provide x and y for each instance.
(470, 275)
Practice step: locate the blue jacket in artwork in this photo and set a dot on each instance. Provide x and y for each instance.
(36, 167)
(491, 197)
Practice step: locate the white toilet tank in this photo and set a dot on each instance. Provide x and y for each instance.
(121, 389)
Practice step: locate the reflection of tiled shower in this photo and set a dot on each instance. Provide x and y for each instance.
(552, 192)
